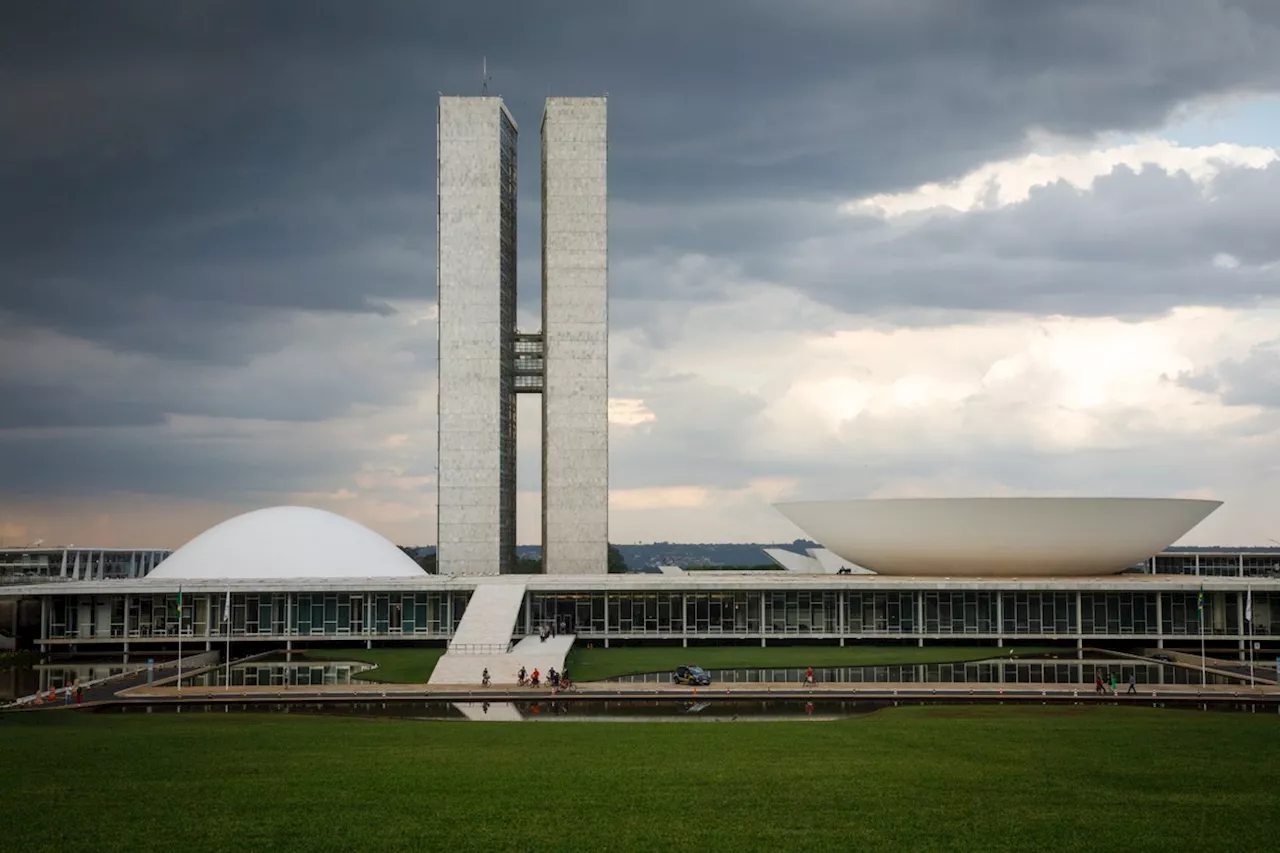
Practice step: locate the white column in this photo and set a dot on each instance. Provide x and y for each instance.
(1080, 627)
(1240, 615)
(919, 602)
(1160, 622)
(839, 599)
(1000, 619)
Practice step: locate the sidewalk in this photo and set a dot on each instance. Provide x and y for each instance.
(604, 690)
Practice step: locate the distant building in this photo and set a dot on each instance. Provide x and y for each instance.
(71, 562)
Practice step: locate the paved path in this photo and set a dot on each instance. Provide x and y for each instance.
(531, 653)
(605, 690)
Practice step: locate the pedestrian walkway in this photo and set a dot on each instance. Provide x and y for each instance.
(531, 653)
(489, 621)
(483, 638)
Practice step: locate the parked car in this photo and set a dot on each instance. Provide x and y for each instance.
(1161, 656)
(690, 674)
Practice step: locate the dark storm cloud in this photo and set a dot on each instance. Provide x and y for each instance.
(240, 155)
(53, 381)
(1136, 245)
(149, 461)
(181, 179)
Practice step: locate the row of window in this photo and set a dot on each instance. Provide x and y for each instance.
(1217, 565)
(973, 612)
(429, 614)
(830, 612)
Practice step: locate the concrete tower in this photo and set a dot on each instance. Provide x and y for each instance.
(575, 330)
(484, 362)
(476, 289)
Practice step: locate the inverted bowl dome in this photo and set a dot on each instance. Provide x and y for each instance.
(286, 542)
(979, 537)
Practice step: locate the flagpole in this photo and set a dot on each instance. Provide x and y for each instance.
(1200, 608)
(226, 615)
(1248, 614)
(179, 639)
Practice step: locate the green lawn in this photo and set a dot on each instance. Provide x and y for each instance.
(913, 779)
(395, 666)
(594, 664)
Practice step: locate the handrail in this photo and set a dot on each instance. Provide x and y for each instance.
(480, 648)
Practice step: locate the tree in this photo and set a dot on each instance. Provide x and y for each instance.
(527, 566)
(617, 563)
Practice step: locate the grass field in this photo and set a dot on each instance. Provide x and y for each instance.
(594, 664)
(395, 666)
(915, 779)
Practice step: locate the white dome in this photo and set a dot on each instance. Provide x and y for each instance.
(998, 537)
(286, 542)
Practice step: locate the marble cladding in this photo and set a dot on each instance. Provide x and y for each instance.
(475, 262)
(575, 324)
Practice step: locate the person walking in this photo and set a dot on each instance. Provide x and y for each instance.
(1113, 684)
(808, 676)
(1133, 688)
(1097, 683)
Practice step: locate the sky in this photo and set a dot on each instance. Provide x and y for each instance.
(858, 248)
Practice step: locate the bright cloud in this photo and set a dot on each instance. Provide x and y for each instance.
(1010, 181)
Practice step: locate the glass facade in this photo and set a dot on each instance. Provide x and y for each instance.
(855, 613)
(507, 320)
(1257, 563)
(261, 615)
(924, 613)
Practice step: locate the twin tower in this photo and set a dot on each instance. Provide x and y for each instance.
(485, 362)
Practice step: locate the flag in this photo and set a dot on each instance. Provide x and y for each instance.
(1200, 604)
(226, 611)
(1248, 605)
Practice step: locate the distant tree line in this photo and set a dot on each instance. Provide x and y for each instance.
(523, 566)
(763, 567)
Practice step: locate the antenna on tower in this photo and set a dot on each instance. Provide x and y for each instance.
(484, 75)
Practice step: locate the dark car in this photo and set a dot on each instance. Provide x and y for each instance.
(690, 674)
(1161, 656)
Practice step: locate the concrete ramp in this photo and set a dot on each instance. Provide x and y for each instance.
(489, 621)
(793, 562)
(484, 636)
(533, 653)
(504, 669)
